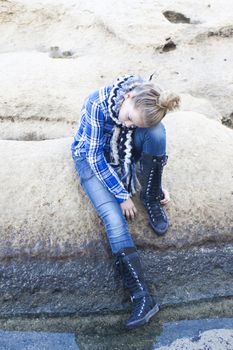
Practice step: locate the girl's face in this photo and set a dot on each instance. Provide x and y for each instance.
(128, 115)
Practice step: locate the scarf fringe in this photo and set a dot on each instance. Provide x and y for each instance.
(114, 144)
(122, 138)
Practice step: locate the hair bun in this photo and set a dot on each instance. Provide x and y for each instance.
(169, 101)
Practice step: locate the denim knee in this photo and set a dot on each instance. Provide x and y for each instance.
(111, 218)
(157, 133)
(151, 140)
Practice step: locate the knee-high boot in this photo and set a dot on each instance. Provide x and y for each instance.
(151, 193)
(129, 266)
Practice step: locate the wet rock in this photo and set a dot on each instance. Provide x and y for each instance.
(196, 334)
(87, 283)
(211, 340)
(212, 334)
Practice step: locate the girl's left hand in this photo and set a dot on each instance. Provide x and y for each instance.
(166, 197)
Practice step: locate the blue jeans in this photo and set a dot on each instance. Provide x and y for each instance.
(148, 140)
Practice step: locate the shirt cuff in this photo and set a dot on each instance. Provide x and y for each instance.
(121, 199)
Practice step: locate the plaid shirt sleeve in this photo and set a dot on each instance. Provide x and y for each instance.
(94, 152)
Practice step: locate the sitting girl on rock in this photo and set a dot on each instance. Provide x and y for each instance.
(120, 125)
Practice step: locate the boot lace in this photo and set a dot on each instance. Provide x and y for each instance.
(155, 210)
(139, 306)
(132, 280)
(130, 277)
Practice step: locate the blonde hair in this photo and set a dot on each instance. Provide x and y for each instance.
(153, 102)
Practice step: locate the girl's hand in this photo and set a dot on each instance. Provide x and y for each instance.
(166, 197)
(129, 209)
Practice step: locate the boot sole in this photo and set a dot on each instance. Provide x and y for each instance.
(145, 319)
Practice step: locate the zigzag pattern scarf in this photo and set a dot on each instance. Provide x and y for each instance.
(122, 140)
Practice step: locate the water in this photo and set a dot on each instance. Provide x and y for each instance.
(174, 335)
(192, 324)
(37, 341)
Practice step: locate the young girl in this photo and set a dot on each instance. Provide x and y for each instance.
(120, 125)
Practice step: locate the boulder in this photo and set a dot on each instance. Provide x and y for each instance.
(39, 105)
(55, 258)
(41, 96)
(43, 207)
(213, 340)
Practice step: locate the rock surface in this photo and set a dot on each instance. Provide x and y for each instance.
(59, 259)
(45, 211)
(55, 258)
(88, 284)
(41, 96)
(211, 334)
(211, 340)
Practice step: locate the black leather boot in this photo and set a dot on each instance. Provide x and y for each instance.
(151, 193)
(144, 307)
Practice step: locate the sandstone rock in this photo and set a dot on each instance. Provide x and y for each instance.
(53, 247)
(213, 340)
(43, 207)
(37, 87)
(200, 105)
(46, 104)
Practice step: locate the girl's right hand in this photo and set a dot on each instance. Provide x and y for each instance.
(129, 209)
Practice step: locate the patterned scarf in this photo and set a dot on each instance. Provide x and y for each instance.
(122, 139)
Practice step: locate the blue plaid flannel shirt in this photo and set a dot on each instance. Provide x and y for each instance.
(92, 141)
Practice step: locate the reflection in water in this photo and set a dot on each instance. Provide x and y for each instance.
(105, 332)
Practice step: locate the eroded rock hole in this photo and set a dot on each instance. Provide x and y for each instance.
(228, 120)
(170, 45)
(176, 17)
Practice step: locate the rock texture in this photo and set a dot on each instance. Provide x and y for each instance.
(212, 340)
(55, 258)
(211, 334)
(41, 96)
(44, 209)
(88, 285)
